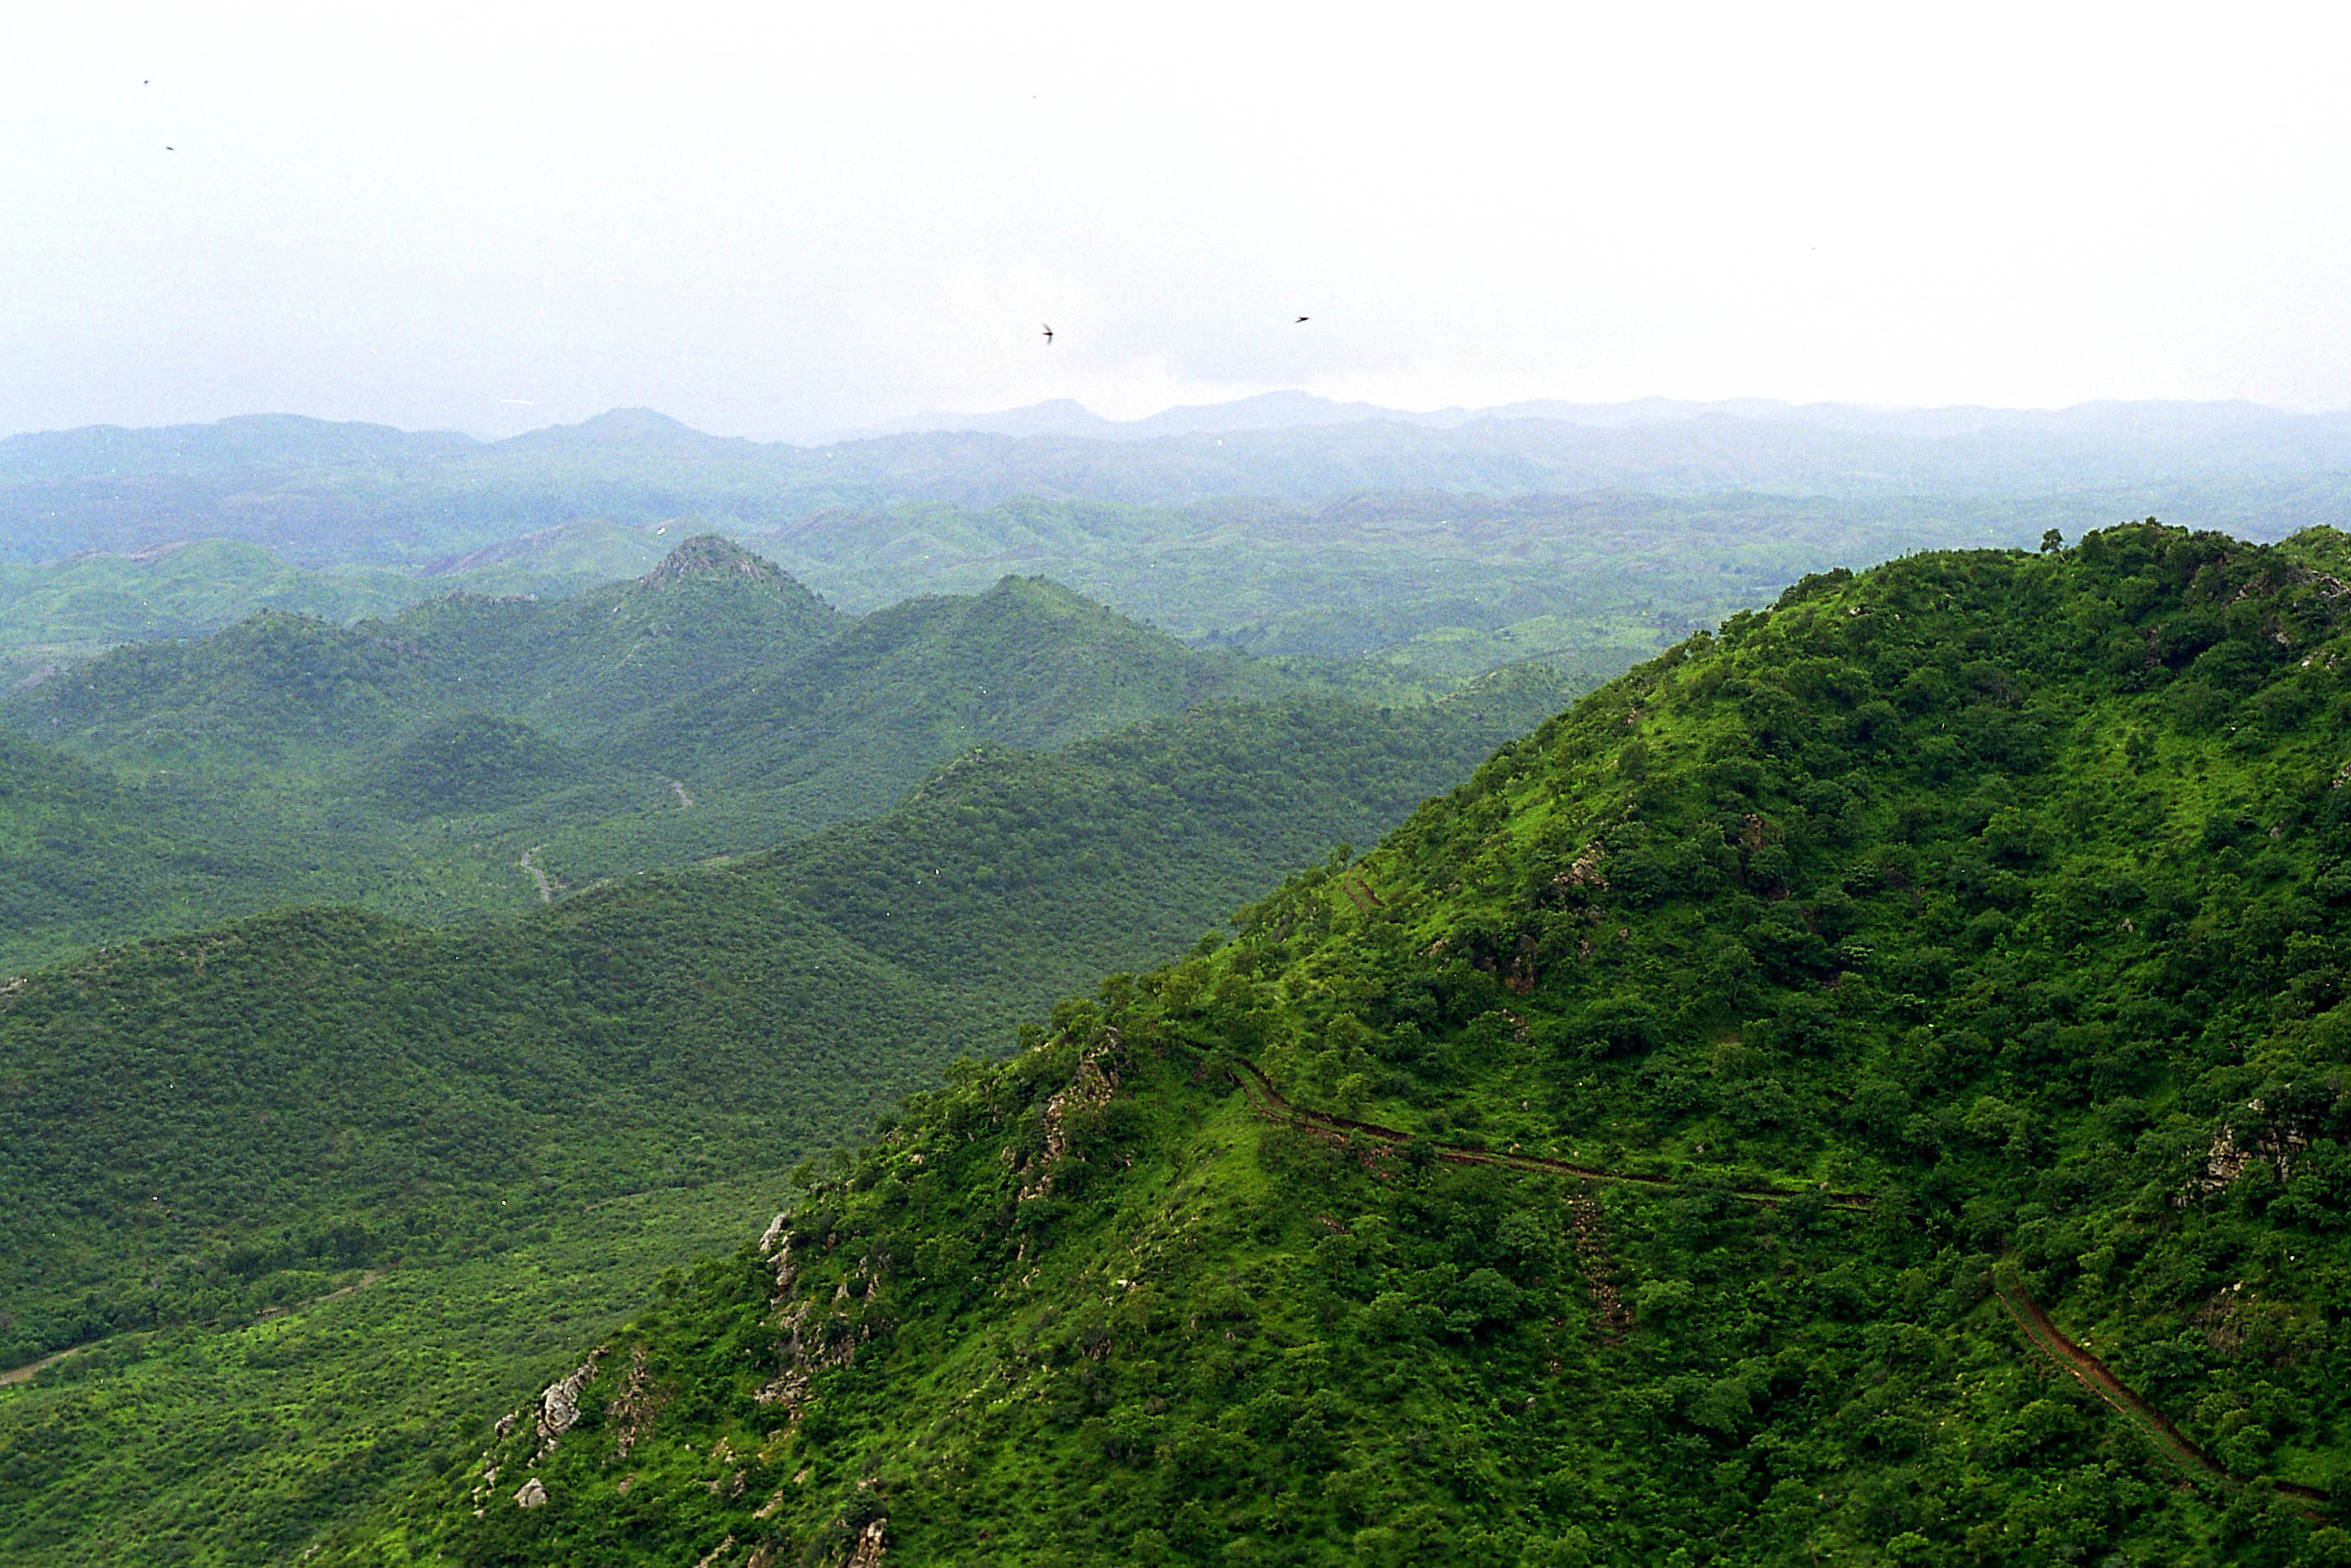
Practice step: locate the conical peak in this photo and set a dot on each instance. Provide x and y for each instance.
(709, 555)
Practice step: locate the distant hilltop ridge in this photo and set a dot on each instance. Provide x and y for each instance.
(322, 493)
(708, 555)
(275, 440)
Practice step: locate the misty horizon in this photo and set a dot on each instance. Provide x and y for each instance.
(1292, 408)
(783, 226)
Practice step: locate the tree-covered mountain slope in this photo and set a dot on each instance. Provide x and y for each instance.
(1026, 663)
(198, 1129)
(1745, 1122)
(707, 612)
(85, 860)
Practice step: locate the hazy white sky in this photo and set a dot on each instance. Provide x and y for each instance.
(782, 219)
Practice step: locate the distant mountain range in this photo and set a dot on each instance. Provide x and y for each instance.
(277, 441)
(1154, 515)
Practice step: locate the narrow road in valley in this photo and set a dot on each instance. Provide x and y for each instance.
(546, 891)
(32, 1369)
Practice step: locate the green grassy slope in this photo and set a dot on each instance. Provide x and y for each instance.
(1661, 1107)
(200, 1129)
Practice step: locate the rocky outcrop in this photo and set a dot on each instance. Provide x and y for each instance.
(708, 555)
(559, 1407)
(1091, 1087)
(2237, 1147)
(631, 1410)
(532, 1493)
(1584, 872)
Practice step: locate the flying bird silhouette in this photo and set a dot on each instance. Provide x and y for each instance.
(1300, 318)
(1049, 334)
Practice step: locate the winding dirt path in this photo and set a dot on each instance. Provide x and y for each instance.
(2043, 1335)
(32, 1369)
(1270, 1102)
(546, 890)
(2096, 1376)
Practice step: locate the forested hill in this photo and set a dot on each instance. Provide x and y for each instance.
(1867, 1086)
(715, 664)
(279, 682)
(713, 707)
(464, 1139)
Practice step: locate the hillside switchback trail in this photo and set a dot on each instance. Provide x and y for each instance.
(1270, 1103)
(2100, 1379)
(2039, 1331)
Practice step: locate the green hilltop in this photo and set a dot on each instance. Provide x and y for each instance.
(1865, 1087)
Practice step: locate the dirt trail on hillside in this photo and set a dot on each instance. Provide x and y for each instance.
(1615, 1322)
(32, 1369)
(1270, 1102)
(1591, 1236)
(546, 891)
(2096, 1375)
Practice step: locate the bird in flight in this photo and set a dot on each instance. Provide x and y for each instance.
(1300, 319)
(1049, 334)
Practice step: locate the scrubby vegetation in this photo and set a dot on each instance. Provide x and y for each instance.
(514, 1127)
(1977, 919)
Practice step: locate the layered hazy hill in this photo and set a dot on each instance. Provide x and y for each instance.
(1443, 543)
(1868, 1086)
(705, 612)
(57, 613)
(325, 492)
(712, 706)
